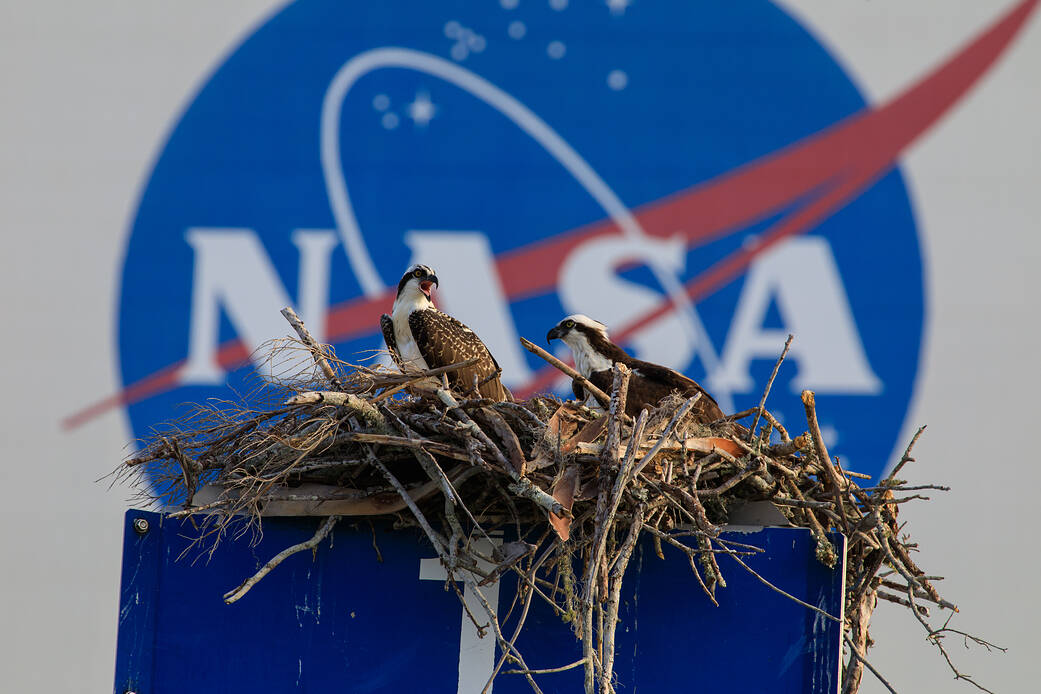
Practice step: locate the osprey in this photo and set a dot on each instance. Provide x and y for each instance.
(420, 337)
(596, 355)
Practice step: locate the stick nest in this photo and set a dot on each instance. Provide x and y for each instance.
(578, 486)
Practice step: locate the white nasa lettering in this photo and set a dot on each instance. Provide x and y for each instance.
(232, 271)
(471, 292)
(801, 276)
(476, 654)
(589, 284)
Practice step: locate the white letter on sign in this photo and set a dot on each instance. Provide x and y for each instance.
(801, 276)
(589, 283)
(233, 272)
(476, 654)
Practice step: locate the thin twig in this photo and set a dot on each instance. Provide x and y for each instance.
(771, 586)
(235, 595)
(876, 673)
(769, 385)
(548, 671)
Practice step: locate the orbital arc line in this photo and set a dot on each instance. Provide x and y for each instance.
(718, 207)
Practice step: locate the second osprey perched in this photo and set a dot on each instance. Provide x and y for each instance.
(595, 357)
(420, 337)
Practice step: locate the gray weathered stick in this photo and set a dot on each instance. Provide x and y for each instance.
(608, 464)
(436, 539)
(601, 396)
(809, 403)
(316, 349)
(614, 598)
(235, 595)
(358, 406)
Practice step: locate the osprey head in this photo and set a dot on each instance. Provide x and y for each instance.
(418, 279)
(575, 326)
(588, 341)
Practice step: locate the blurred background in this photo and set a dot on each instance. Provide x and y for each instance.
(703, 177)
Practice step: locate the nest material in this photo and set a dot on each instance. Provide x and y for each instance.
(579, 486)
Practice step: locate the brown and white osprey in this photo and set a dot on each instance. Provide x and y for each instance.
(420, 337)
(595, 357)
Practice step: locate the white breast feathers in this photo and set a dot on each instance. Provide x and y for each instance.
(408, 350)
(587, 359)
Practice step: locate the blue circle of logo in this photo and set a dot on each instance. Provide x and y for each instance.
(690, 174)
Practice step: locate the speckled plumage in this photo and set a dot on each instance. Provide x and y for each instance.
(437, 339)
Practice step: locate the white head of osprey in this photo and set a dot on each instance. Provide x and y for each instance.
(618, 181)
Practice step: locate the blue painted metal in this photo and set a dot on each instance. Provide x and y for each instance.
(340, 620)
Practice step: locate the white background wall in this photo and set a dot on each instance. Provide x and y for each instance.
(88, 92)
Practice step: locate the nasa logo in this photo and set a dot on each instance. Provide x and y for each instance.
(701, 176)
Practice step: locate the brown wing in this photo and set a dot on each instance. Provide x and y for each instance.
(649, 384)
(387, 326)
(442, 340)
(652, 382)
(603, 380)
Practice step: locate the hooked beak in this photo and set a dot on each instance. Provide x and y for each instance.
(555, 334)
(425, 284)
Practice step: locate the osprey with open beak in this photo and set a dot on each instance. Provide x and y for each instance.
(420, 337)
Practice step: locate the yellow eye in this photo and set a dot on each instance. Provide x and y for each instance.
(417, 273)
(569, 324)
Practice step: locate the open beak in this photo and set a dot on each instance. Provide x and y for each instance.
(427, 283)
(555, 334)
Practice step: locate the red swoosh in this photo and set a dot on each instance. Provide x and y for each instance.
(829, 167)
(864, 146)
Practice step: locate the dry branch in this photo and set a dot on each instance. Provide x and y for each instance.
(323, 530)
(601, 396)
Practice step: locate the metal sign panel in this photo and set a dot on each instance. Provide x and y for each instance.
(343, 620)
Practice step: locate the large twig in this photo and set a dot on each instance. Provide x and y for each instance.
(614, 598)
(809, 402)
(596, 569)
(604, 519)
(426, 373)
(601, 396)
(358, 406)
(317, 351)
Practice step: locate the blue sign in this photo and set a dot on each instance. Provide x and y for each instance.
(349, 620)
(703, 177)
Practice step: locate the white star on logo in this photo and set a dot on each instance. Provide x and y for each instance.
(830, 435)
(422, 109)
(618, 6)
